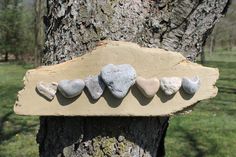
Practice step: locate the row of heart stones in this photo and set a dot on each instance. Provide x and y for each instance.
(118, 79)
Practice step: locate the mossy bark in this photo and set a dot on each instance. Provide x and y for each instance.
(75, 26)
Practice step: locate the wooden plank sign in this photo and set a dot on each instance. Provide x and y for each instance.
(147, 63)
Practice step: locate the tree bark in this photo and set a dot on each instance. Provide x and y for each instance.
(74, 28)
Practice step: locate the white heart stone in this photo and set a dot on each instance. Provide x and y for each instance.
(170, 85)
(148, 87)
(95, 86)
(48, 90)
(118, 78)
(191, 85)
(71, 88)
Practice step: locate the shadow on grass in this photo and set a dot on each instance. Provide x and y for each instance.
(2, 120)
(193, 143)
(11, 124)
(196, 147)
(6, 135)
(228, 90)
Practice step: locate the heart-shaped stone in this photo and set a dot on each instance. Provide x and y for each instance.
(71, 88)
(148, 87)
(118, 78)
(191, 85)
(47, 90)
(170, 85)
(95, 86)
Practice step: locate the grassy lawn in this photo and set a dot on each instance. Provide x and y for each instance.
(17, 133)
(210, 130)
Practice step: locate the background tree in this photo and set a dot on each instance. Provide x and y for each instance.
(39, 30)
(16, 33)
(74, 28)
(224, 34)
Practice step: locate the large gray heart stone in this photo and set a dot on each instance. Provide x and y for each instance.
(71, 88)
(118, 78)
(95, 86)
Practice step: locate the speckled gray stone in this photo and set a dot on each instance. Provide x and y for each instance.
(191, 85)
(47, 90)
(95, 86)
(170, 85)
(71, 88)
(118, 78)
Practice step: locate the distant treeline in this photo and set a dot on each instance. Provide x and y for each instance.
(17, 33)
(224, 33)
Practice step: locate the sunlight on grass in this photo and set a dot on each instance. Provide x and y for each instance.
(17, 133)
(210, 130)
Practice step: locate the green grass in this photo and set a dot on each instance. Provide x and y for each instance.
(17, 133)
(210, 130)
(222, 55)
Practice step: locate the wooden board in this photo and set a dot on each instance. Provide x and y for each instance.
(148, 62)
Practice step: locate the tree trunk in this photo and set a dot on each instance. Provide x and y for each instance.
(16, 56)
(6, 57)
(203, 57)
(212, 42)
(39, 31)
(230, 42)
(74, 28)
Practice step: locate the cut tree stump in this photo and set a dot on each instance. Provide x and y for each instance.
(148, 62)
